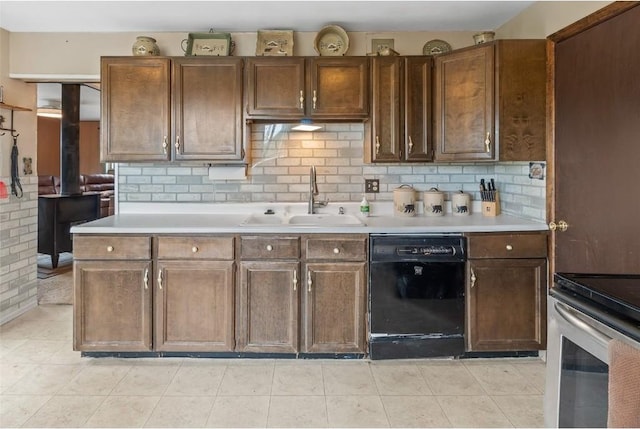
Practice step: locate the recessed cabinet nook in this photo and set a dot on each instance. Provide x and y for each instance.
(481, 103)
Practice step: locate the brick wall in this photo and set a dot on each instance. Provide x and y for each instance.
(279, 171)
(18, 250)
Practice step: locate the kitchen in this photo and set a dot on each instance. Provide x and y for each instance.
(427, 180)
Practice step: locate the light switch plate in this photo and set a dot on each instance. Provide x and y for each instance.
(371, 186)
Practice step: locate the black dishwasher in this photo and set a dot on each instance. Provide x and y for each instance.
(416, 301)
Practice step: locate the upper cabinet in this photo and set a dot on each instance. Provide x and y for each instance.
(158, 109)
(490, 102)
(401, 109)
(296, 87)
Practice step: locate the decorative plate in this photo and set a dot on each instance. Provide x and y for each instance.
(435, 47)
(331, 40)
(275, 43)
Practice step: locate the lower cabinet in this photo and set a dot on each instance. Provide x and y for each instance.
(506, 292)
(112, 293)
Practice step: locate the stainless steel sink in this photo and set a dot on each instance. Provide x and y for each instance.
(303, 220)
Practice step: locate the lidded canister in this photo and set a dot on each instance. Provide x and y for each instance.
(433, 201)
(404, 201)
(461, 203)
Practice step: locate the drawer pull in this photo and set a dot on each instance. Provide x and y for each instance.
(336, 250)
(309, 281)
(473, 278)
(295, 280)
(109, 248)
(194, 249)
(146, 278)
(160, 278)
(509, 247)
(269, 247)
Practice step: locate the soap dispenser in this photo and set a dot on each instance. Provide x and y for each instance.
(364, 206)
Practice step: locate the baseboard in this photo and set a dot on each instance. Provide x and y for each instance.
(25, 306)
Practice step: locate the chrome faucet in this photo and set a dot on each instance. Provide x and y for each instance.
(313, 191)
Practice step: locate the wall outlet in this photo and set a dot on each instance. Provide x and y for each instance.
(371, 186)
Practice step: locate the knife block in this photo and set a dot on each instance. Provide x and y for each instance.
(491, 208)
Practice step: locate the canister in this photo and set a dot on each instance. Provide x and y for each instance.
(433, 201)
(404, 201)
(461, 204)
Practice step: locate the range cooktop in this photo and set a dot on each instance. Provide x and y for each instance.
(617, 292)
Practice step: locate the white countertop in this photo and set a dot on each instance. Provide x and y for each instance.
(228, 218)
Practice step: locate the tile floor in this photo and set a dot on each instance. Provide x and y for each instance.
(43, 383)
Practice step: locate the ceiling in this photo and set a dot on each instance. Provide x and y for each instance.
(241, 15)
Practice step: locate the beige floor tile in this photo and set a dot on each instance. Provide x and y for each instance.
(349, 378)
(123, 411)
(356, 411)
(297, 412)
(240, 380)
(399, 380)
(181, 412)
(298, 380)
(196, 380)
(502, 379)
(95, 380)
(44, 380)
(68, 356)
(151, 380)
(450, 378)
(16, 409)
(473, 411)
(533, 372)
(414, 412)
(55, 330)
(239, 412)
(6, 345)
(65, 411)
(10, 373)
(524, 411)
(35, 351)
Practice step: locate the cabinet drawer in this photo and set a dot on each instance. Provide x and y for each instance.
(196, 247)
(516, 245)
(351, 248)
(269, 247)
(111, 247)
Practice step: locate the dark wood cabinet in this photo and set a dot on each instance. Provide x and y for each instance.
(112, 294)
(194, 294)
(158, 109)
(490, 102)
(296, 87)
(401, 109)
(506, 292)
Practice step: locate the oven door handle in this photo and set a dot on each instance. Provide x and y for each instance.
(581, 324)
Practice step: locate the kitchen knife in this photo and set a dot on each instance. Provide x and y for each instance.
(483, 190)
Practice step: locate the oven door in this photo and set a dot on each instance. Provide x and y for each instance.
(577, 378)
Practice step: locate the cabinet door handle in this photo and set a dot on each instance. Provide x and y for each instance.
(165, 144)
(295, 279)
(410, 145)
(269, 247)
(336, 250)
(160, 278)
(473, 278)
(309, 281)
(377, 145)
(509, 247)
(315, 98)
(109, 249)
(487, 143)
(301, 99)
(177, 143)
(194, 249)
(146, 278)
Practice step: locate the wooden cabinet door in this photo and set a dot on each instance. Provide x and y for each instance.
(334, 302)
(135, 109)
(207, 108)
(417, 109)
(386, 105)
(194, 306)
(338, 86)
(464, 105)
(275, 87)
(506, 304)
(112, 306)
(268, 307)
